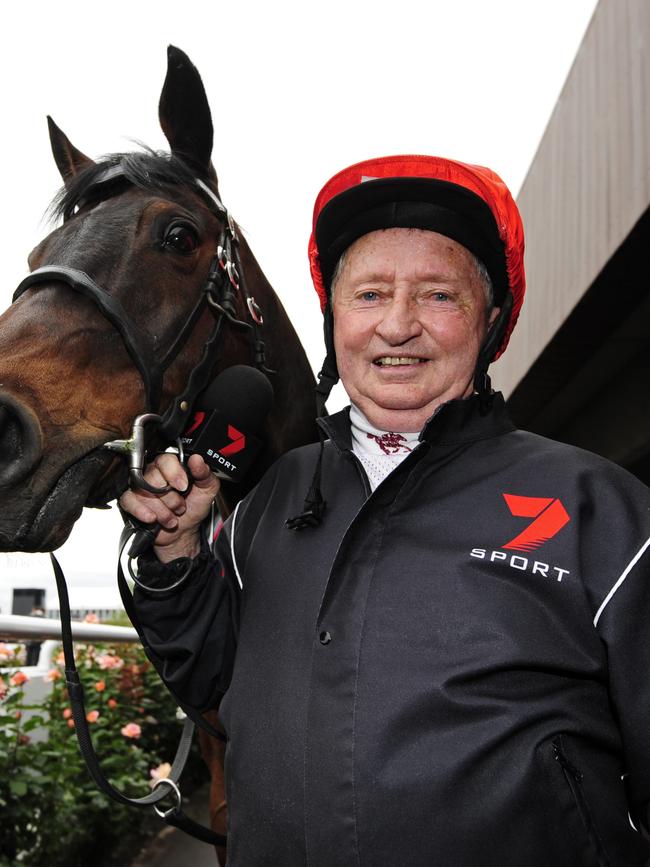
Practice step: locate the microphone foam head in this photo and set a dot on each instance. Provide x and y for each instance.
(244, 394)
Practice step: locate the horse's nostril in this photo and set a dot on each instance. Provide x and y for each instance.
(20, 441)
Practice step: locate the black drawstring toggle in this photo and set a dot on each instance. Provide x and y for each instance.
(311, 517)
(314, 505)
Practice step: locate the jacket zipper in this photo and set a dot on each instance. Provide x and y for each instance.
(362, 473)
(574, 778)
(567, 766)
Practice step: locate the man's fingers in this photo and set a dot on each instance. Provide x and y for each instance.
(170, 470)
(149, 510)
(137, 507)
(179, 516)
(175, 502)
(203, 476)
(165, 471)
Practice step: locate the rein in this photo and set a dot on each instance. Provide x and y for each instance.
(224, 281)
(173, 815)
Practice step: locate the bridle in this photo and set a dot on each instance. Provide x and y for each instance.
(224, 282)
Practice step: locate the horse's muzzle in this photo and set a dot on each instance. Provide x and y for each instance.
(21, 440)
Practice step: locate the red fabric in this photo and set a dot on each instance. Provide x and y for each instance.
(480, 180)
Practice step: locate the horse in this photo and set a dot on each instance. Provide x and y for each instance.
(112, 324)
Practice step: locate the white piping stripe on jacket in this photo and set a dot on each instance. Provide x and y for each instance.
(626, 572)
(232, 545)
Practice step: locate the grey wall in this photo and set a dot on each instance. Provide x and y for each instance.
(589, 182)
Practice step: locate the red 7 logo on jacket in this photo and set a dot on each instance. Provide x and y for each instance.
(549, 514)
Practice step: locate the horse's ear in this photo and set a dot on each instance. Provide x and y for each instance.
(68, 159)
(185, 114)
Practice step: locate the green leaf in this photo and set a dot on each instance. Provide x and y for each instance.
(18, 788)
(34, 722)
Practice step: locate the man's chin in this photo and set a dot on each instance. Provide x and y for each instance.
(397, 408)
(401, 416)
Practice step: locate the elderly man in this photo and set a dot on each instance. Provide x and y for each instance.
(441, 656)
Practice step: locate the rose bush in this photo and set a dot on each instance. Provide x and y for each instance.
(11, 656)
(51, 811)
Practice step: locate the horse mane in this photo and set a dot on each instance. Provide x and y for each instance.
(148, 169)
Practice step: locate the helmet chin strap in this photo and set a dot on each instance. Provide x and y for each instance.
(482, 383)
(329, 374)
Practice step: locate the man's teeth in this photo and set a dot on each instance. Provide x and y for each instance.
(394, 360)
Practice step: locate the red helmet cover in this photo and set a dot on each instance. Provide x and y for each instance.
(480, 181)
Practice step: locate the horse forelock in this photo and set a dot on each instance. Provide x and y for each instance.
(156, 171)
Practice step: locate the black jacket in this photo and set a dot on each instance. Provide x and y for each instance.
(450, 671)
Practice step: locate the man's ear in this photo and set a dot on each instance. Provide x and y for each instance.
(493, 315)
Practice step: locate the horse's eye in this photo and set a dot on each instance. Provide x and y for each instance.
(182, 239)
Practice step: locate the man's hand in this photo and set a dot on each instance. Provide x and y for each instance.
(179, 517)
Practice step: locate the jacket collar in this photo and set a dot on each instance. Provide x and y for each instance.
(458, 421)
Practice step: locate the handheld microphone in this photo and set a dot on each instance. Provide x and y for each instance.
(228, 420)
(224, 429)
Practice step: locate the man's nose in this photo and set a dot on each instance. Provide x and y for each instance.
(400, 322)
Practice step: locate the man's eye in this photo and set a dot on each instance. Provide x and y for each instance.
(440, 296)
(369, 296)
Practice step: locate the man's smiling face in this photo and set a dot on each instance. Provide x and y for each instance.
(410, 315)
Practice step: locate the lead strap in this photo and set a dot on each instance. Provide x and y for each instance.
(173, 816)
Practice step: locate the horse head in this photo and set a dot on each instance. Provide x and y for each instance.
(111, 322)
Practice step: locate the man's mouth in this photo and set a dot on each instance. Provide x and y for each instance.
(397, 360)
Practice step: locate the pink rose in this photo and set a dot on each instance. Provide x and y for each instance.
(159, 773)
(18, 679)
(52, 675)
(109, 662)
(131, 730)
(92, 716)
